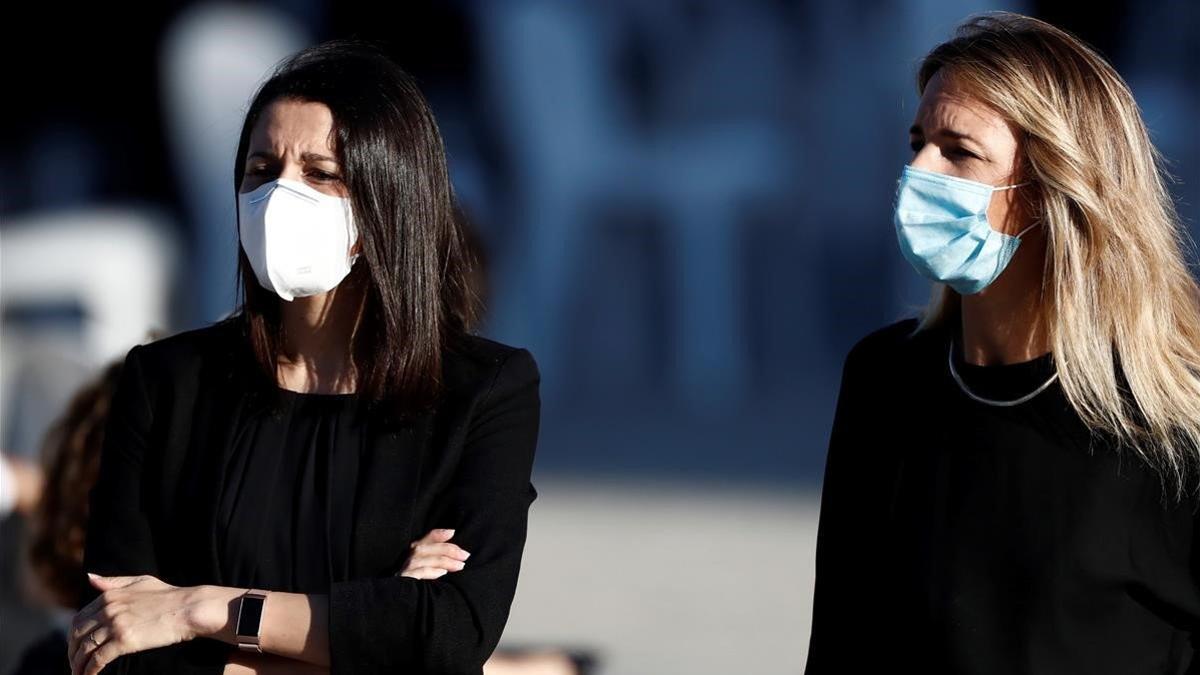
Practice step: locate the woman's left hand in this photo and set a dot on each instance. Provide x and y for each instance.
(132, 614)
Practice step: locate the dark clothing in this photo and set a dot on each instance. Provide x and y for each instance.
(287, 499)
(178, 496)
(961, 537)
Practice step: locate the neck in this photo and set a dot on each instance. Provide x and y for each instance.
(318, 335)
(1004, 323)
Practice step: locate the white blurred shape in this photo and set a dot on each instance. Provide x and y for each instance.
(115, 263)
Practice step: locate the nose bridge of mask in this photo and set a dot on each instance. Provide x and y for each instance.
(303, 191)
(292, 188)
(956, 184)
(309, 196)
(953, 189)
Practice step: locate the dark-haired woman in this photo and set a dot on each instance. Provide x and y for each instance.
(262, 478)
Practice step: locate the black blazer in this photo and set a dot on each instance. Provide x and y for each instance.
(466, 465)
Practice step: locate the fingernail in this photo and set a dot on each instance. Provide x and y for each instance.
(448, 532)
(93, 576)
(466, 555)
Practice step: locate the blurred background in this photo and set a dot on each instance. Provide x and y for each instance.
(685, 207)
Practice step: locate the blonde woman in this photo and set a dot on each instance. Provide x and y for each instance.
(1012, 479)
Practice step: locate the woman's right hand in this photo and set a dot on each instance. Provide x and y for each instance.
(433, 556)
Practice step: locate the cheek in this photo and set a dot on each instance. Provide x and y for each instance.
(1005, 213)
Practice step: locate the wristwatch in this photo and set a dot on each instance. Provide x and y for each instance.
(249, 621)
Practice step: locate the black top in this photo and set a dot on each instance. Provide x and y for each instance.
(961, 537)
(177, 486)
(286, 507)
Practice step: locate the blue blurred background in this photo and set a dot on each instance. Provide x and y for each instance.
(685, 210)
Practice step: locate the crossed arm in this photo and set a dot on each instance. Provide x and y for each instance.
(140, 613)
(135, 613)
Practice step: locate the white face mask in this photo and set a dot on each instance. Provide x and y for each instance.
(297, 238)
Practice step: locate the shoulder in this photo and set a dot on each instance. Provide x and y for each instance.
(884, 344)
(183, 360)
(475, 363)
(902, 344)
(188, 347)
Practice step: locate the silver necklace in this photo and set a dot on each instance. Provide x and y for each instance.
(989, 401)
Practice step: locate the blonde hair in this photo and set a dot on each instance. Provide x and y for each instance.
(1121, 305)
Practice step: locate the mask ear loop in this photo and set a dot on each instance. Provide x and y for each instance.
(1022, 232)
(1009, 187)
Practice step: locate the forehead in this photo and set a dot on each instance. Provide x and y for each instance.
(294, 126)
(946, 107)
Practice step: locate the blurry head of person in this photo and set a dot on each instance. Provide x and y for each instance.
(1012, 99)
(337, 121)
(71, 464)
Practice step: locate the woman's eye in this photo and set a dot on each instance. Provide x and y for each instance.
(323, 176)
(958, 153)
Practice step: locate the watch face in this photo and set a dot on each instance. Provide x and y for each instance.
(249, 616)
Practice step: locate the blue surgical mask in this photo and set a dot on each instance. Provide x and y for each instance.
(941, 222)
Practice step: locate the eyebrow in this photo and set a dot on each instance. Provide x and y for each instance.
(915, 130)
(307, 157)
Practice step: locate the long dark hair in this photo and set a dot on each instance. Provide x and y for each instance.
(417, 297)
